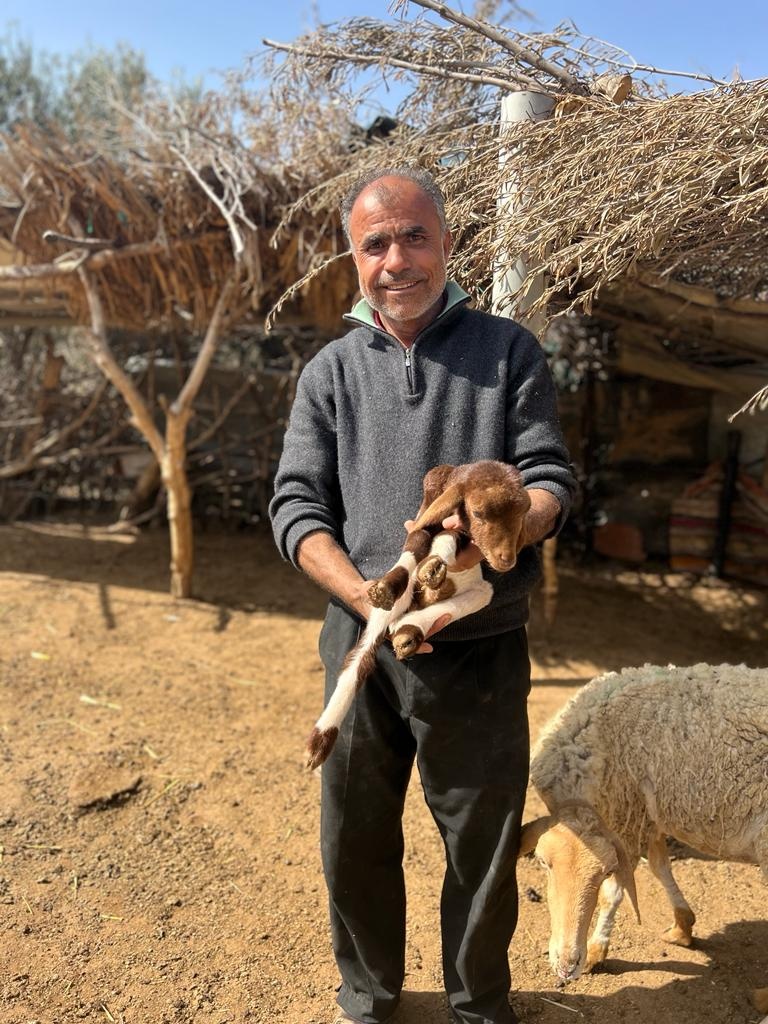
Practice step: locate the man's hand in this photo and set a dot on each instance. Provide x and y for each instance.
(358, 599)
(437, 625)
(540, 518)
(326, 563)
(470, 556)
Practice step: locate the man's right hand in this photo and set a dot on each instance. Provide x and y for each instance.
(358, 599)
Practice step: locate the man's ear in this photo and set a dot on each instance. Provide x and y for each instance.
(447, 243)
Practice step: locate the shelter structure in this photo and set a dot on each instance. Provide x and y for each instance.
(162, 231)
(641, 222)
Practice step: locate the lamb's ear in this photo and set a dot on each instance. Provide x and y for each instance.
(531, 834)
(443, 506)
(625, 875)
(435, 482)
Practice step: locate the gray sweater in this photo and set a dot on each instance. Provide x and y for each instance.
(370, 419)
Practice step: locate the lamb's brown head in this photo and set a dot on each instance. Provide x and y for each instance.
(495, 517)
(491, 502)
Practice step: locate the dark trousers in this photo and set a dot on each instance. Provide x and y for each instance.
(461, 713)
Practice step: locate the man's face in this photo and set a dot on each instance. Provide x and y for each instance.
(400, 250)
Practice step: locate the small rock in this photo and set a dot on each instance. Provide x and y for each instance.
(100, 785)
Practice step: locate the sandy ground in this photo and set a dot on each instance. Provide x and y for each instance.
(158, 833)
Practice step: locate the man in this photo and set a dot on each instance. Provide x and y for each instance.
(421, 380)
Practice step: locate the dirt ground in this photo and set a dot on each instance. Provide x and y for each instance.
(158, 833)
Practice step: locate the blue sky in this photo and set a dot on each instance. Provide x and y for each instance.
(198, 38)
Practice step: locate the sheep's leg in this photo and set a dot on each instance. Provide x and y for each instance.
(393, 584)
(431, 572)
(681, 932)
(408, 632)
(608, 899)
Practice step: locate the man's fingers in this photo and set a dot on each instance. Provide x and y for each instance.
(452, 522)
(438, 624)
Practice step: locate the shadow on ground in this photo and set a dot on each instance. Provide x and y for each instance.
(696, 993)
(607, 617)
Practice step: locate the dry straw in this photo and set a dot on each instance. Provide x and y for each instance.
(673, 185)
(158, 211)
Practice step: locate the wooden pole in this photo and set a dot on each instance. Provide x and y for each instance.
(727, 494)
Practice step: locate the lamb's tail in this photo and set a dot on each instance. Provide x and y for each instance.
(358, 666)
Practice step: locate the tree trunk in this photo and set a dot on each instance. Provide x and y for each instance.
(174, 473)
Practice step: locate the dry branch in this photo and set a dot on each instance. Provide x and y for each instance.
(513, 83)
(58, 437)
(188, 393)
(755, 403)
(519, 52)
(106, 362)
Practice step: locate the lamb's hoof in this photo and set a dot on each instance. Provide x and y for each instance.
(596, 954)
(431, 573)
(382, 595)
(319, 745)
(678, 936)
(406, 641)
(760, 999)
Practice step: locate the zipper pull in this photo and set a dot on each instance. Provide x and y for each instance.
(408, 372)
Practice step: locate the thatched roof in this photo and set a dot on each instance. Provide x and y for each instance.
(649, 206)
(159, 228)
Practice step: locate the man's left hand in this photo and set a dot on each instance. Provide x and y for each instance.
(436, 626)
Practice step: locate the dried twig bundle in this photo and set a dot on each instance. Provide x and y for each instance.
(674, 185)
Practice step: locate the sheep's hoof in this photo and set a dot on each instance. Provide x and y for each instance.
(681, 932)
(760, 999)
(406, 641)
(678, 936)
(431, 572)
(381, 595)
(596, 954)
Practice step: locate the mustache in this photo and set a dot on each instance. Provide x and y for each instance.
(384, 282)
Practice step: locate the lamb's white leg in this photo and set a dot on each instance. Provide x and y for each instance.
(442, 554)
(681, 932)
(357, 668)
(608, 899)
(472, 593)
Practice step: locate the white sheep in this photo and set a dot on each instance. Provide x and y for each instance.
(635, 757)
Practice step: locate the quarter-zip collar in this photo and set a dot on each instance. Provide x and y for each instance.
(362, 313)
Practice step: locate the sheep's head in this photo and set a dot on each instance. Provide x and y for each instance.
(581, 855)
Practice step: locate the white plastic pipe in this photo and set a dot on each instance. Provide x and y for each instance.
(518, 106)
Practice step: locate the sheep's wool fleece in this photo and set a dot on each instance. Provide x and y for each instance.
(684, 750)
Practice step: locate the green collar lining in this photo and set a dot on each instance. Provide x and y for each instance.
(361, 312)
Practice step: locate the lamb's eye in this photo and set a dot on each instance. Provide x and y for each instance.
(478, 514)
